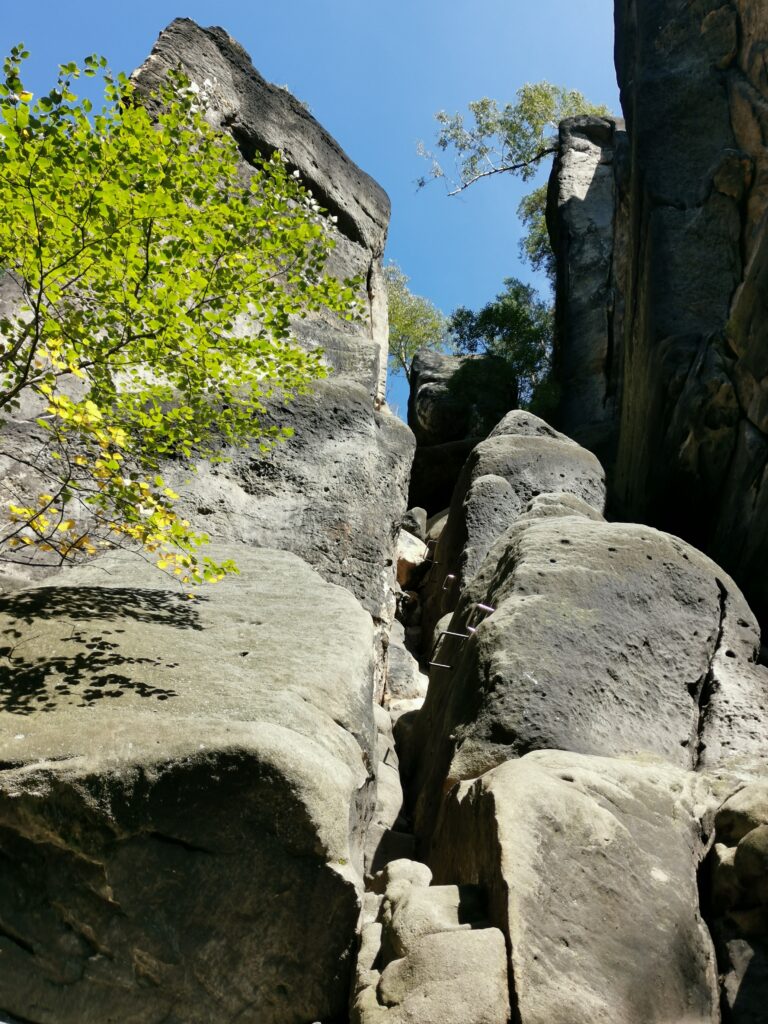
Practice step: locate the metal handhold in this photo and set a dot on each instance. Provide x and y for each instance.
(450, 577)
(485, 607)
(438, 664)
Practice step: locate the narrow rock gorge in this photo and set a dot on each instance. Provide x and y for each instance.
(479, 735)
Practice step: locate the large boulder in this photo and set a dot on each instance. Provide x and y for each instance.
(591, 868)
(186, 790)
(427, 954)
(454, 402)
(522, 458)
(737, 898)
(600, 638)
(456, 397)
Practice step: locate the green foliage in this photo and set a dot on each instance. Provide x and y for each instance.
(535, 246)
(514, 138)
(414, 322)
(517, 326)
(156, 285)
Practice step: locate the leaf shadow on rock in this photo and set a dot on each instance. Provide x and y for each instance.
(42, 681)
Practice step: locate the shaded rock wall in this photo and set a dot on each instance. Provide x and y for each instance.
(676, 339)
(585, 223)
(454, 402)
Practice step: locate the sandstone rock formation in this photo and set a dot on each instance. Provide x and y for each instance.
(264, 118)
(192, 787)
(206, 814)
(454, 402)
(585, 222)
(428, 954)
(523, 457)
(674, 265)
(590, 864)
(600, 638)
(186, 793)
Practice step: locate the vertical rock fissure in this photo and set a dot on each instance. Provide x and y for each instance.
(709, 684)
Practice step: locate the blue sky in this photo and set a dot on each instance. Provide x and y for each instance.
(374, 75)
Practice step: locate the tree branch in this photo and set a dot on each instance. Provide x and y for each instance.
(504, 167)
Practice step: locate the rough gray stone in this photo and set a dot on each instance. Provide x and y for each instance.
(405, 680)
(186, 793)
(411, 555)
(264, 118)
(594, 637)
(581, 215)
(522, 458)
(413, 912)
(457, 397)
(738, 903)
(415, 522)
(673, 295)
(333, 493)
(590, 864)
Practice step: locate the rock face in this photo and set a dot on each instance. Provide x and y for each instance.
(521, 459)
(600, 638)
(454, 402)
(190, 788)
(453, 397)
(683, 321)
(428, 954)
(590, 864)
(186, 794)
(264, 118)
(584, 224)
(738, 900)
(333, 493)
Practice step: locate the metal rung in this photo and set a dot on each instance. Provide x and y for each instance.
(439, 664)
(485, 607)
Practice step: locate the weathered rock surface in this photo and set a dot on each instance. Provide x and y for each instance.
(384, 839)
(264, 118)
(185, 795)
(737, 900)
(683, 319)
(457, 397)
(333, 493)
(593, 637)
(590, 864)
(405, 680)
(428, 955)
(584, 220)
(454, 403)
(523, 457)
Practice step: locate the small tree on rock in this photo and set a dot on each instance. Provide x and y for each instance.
(513, 138)
(154, 286)
(414, 322)
(517, 326)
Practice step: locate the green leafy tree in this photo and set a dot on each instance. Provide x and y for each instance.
(516, 138)
(414, 322)
(155, 284)
(517, 326)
